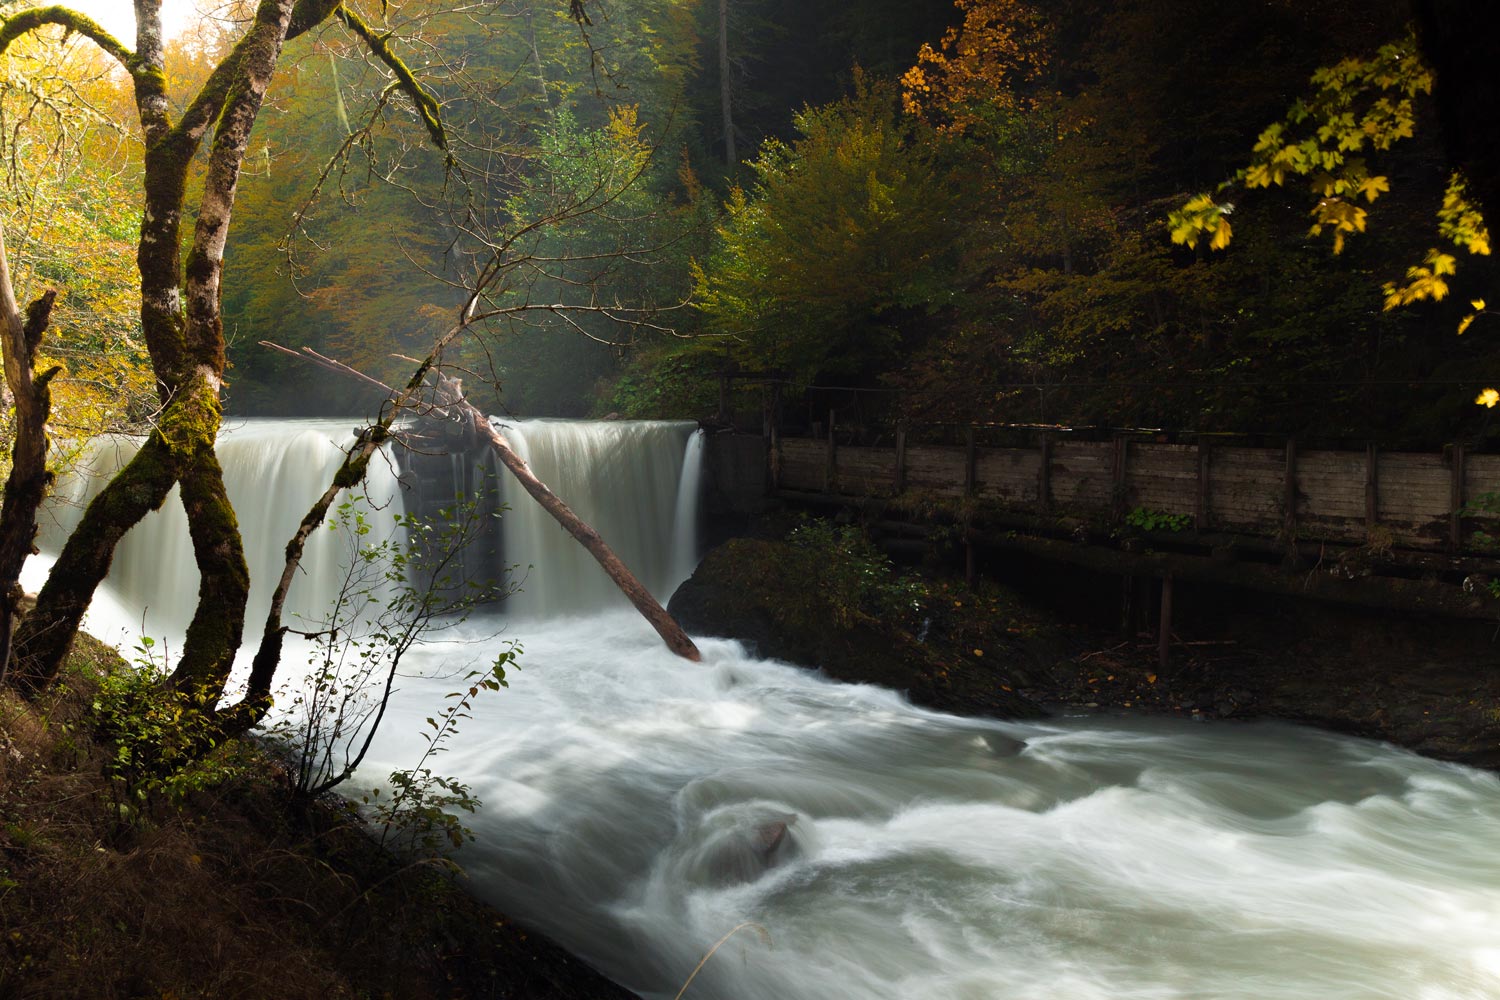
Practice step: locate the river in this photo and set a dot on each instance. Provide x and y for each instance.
(637, 807)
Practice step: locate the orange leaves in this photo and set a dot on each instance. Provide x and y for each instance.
(982, 64)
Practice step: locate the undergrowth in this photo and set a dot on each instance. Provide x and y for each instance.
(122, 876)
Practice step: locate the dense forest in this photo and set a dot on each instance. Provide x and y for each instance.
(961, 209)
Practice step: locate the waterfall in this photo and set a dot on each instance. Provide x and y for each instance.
(635, 482)
(689, 496)
(274, 471)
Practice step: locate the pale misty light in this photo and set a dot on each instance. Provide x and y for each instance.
(118, 16)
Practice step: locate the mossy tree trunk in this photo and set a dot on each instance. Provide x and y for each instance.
(26, 486)
(183, 330)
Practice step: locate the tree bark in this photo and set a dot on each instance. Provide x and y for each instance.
(536, 59)
(27, 484)
(186, 343)
(725, 93)
(47, 633)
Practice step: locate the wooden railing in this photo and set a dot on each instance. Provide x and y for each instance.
(1410, 500)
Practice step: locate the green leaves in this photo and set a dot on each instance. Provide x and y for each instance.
(1356, 103)
(856, 218)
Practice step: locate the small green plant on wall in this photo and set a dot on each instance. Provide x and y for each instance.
(1146, 519)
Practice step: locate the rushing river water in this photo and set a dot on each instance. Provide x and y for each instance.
(638, 807)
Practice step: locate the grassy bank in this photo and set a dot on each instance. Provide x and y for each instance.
(224, 892)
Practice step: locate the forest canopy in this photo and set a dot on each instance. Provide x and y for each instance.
(961, 209)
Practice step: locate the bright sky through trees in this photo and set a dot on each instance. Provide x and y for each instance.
(118, 16)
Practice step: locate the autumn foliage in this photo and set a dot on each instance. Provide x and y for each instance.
(985, 63)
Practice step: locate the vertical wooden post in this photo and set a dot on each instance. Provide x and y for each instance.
(775, 449)
(1201, 505)
(971, 462)
(971, 477)
(901, 456)
(1372, 487)
(1127, 605)
(1164, 623)
(1117, 477)
(831, 468)
(1044, 475)
(1456, 499)
(1289, 491)
(968, 552)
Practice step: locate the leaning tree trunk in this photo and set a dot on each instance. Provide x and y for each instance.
(353, 470)
(650, 608)
(27, 483)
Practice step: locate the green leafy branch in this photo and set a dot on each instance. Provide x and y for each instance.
(1357, 105)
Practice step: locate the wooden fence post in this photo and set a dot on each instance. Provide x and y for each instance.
(901, 456)
(1164, 623)
(1456, 499)
(971, 460)
(1117, 477)
(831, 469)
(1289, 492)
(1044, 475)
(1201, 499)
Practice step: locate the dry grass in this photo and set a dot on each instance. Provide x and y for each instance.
(227, 895)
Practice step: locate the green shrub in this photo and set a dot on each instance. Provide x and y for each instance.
(162, 742)
(848, 578)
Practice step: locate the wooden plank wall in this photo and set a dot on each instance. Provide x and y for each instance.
(1401, 498)
(1082, 475)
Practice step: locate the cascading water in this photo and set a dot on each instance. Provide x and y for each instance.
(638, 807)
(628, 479)
(273, 470)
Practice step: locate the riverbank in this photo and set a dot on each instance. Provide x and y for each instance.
(226, 893)
(1425, 684)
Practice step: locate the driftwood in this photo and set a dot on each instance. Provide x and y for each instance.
(450, 402)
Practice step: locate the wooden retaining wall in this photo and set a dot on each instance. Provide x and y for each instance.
(1409, 500)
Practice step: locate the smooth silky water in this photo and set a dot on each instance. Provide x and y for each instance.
(628, 794)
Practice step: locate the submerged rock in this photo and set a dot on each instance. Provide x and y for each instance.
(738, 844)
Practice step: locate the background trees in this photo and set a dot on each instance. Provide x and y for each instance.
(1067, 130)
(965, 202)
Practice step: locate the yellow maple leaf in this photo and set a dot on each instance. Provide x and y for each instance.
(1221, 236)
(1488, 397)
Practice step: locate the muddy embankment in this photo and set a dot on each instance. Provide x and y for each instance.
(1029, 638)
